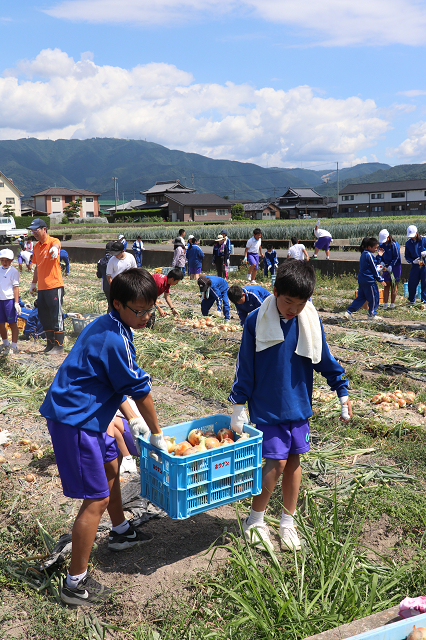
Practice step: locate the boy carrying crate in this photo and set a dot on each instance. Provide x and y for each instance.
(89, 387)
(283, 344)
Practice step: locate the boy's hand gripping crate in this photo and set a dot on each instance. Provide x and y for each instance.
(184, 486)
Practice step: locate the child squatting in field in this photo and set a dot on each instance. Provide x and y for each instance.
(89, 387)
(283, 343)
(369, 272)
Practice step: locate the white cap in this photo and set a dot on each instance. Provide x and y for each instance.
(7, 253)
(411, 231)
(383, 236)
(189, 237)
(121, 236)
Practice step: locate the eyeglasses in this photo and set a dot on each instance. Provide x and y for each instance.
(144, 312)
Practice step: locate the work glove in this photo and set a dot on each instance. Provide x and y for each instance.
(416, 261)
(344, 408)
(18, 308)
(238, 419)
(157, 440)
(33, 287)
(54, 252)
(423, 254)
(389, 269)
(379, 268)
(270, 266)
(245, 259)
(138, 427)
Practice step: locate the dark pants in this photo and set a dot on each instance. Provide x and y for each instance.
(417, 274)
(220, 267)
(138, 258)
(368, 292)
(50, 311)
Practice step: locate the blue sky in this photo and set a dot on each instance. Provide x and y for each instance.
(276, 82)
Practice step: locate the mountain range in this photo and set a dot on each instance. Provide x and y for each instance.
(91, 164)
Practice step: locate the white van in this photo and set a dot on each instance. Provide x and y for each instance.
(8, 230)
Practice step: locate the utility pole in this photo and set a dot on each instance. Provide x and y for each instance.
(337, 207)
(115, 192)
(193, 181)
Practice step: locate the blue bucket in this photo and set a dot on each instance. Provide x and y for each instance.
(418, 291)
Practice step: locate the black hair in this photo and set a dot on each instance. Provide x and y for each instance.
(133, 285)
(391, 239)
(181, 231)
(139, 238)
(235, 293)
(204, 283)
(175, 273)
(269, 247)
(294, 240)
(256, 231)
(295, 278)
(195, 239)
(367, 242)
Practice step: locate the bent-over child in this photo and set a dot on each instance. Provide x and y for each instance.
(247, 299)
(214, 289)
(283, 343)
(369, 273)
(297, 250)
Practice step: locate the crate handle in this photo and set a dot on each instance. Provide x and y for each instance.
(155, 456)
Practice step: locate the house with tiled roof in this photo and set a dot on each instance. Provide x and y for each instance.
(198, 207)
(303, 202)
(400, 197)
(261, 211)
(156, 195)
(9, 195)
(55, 199)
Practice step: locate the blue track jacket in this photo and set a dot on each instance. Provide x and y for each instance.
(413, 248)
(368, 268)
(195, 257)
(270, 259)
(219, 294)
(276, 382)
(254, 296)
(96, 376)
(392, 254)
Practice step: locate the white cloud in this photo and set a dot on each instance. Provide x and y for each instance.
(163, 104)
(413, 93)
(329, 22)
(413, 147)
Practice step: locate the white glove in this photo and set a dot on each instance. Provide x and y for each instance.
(238, 419)
(158, 441)
(270, 266)
(33, 287)
(344, 409)
(54, 252)
(17, 308)
(245, 259)
(423, 254)
(416, 261)
(138, 427)
(379, 268)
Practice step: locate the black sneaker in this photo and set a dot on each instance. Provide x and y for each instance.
(131, 538)
(87, 592)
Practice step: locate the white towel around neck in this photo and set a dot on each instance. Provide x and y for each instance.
(269, 331)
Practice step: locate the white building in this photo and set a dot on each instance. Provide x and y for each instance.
(9, 194)
(378, 198)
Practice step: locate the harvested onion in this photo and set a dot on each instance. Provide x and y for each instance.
(194, 437)
(212, 443)
(171, 443)
(417, 634)
(181, 447)
(30, 478)
(225, 433)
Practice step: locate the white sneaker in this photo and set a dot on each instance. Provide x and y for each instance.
(128, 466)
(373, 318)
(256, 533)
(347, 316)
(289, 539)
(253, 282)
(14, 350)
(248, 277)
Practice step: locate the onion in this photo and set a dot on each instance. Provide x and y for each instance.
(2, 459)
(30, 477)
(194, 437)
(34, 447)
(225, 433)
(181, 447)
(171, 443)
(24, 441)
(209, 434)
(226, 441)
(417, 634)
(212, 443)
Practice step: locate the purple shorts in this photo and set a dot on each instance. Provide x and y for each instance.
(128, 439)
(80, 456)
(323, 243)
(282, 440)
(396, 272)
(7, 311)
(253, 258)
(194, 271)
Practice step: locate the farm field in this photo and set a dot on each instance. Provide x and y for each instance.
(362, 505)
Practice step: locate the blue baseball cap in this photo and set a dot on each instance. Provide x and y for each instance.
(38, 223)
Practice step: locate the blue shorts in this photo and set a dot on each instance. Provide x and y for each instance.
(284, 439)
(8, 311)
(80, 456)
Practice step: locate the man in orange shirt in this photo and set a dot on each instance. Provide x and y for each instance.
(47, 279)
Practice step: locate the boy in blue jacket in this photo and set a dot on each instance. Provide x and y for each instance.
(247, 299)
(88, 389)
(270, 261)
(214, 289)
(415, 254)
(195, 258)
(283, 343)
(369, 272)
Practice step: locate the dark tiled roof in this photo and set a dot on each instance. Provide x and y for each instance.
(372, 187)
(301, 193)
(199, 200)
(63, 191)
(168, 185)
(259, 206)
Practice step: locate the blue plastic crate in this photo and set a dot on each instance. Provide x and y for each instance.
(418, 291)
(166, 270)
(394, 631)
(184, 486)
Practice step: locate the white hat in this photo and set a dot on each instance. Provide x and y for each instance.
(220, 238)
(7, 253)
(411, 231)
(189, 237)
(120, 236)
(383, 236)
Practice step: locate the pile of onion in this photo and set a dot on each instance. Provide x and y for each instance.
(393, 400)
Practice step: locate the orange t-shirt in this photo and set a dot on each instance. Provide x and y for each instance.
(49, 274)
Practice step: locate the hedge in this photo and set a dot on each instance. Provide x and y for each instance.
(22, 222)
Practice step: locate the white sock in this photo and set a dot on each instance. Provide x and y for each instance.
(121, 528)
(255, 517)
(14, 345)
(72, 581)
(286, 520)
(6, 342)
(392, 305)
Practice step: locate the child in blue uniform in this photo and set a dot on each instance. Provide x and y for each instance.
(63, 256)
(89, 387)
(415, 254)
(195, 257)
(390, 257)
(270, 261)
(214, 289)
(368, 274)
(247, 299)
(283, 344)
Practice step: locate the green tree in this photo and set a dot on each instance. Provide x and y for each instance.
(72, 210)
(237, 212)
(8, 210)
